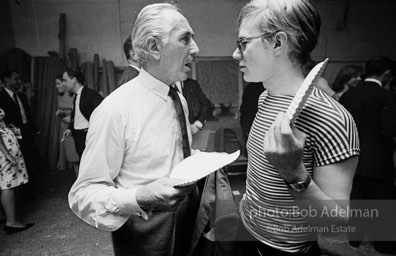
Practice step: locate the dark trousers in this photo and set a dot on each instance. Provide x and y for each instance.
(29, 152)
(369, 188)
(166, 233)
(372, 188)
(79, 140)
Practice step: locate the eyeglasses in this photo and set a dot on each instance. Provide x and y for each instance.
(242, 42)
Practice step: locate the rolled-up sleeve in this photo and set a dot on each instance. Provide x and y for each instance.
(94, 197)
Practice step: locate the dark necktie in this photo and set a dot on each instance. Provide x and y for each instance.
(19, 115)
(182, 121)
(73, 111)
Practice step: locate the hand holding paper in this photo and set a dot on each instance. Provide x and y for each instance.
(195, 167)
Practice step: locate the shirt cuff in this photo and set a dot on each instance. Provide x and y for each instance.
(199, 124)
(126, 202)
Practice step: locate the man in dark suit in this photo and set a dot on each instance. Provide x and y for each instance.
(374, 110)
(200, 108)
(249, 106)
(85, 102)
(16, 107)
(133, 66)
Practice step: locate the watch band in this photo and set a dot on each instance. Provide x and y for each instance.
(300, 186)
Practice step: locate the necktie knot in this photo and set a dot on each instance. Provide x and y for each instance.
(173, 91)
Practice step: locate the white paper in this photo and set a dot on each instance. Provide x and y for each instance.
(195, 167)
(299, 100)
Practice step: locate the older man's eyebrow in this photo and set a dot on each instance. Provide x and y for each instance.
(187, 33)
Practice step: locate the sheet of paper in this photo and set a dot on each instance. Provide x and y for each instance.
(299, 100)
(195, 167)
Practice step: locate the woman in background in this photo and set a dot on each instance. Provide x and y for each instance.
(322, 82)
(67, 150)
(12, 174)
(348, 76)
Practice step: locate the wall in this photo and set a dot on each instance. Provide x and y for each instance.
(6, 31)
(365, 31)
(101, 26)
(92, 26)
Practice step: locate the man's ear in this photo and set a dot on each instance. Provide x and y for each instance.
(386, 76)
(280, 42)
(388, 73)
(154, 47)
(133, 55)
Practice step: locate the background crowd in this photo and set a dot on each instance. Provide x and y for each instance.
(123, 146)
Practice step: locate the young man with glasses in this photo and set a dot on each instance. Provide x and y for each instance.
(306, 167)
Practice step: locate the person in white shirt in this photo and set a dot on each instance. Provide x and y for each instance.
(84, 103)
(134, 141)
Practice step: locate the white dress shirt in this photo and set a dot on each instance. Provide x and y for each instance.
(135, 67)
(80, 122)
(23, 113)
(134, 138)
(180, 86)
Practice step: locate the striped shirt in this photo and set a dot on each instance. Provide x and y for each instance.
(268, 211)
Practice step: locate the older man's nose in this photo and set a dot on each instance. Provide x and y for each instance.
(194, 47)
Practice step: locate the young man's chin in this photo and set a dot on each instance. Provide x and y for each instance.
(247, 78)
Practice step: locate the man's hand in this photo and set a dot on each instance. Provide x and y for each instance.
(283, 147)
(196, 127)
(66, 134)
(58, 112)
(161, 195)
(66, 119)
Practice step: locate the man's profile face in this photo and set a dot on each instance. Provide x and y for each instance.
(59, 85)
(255, 61)
(178, 48)
(68, 82)
(14, 82)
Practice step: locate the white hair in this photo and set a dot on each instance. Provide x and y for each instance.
(149, 24)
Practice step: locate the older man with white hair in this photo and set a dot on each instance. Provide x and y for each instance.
(136, 136)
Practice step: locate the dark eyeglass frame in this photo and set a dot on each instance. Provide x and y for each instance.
(248, 39)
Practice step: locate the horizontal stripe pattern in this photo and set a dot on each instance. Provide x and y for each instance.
(331, 137)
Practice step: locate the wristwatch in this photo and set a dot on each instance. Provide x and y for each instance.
(300, 186)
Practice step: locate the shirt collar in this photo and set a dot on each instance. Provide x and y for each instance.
(373, 80)
(79, 90)
(135, 67)
(11, 93)
(153, 84)
(180, 85)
